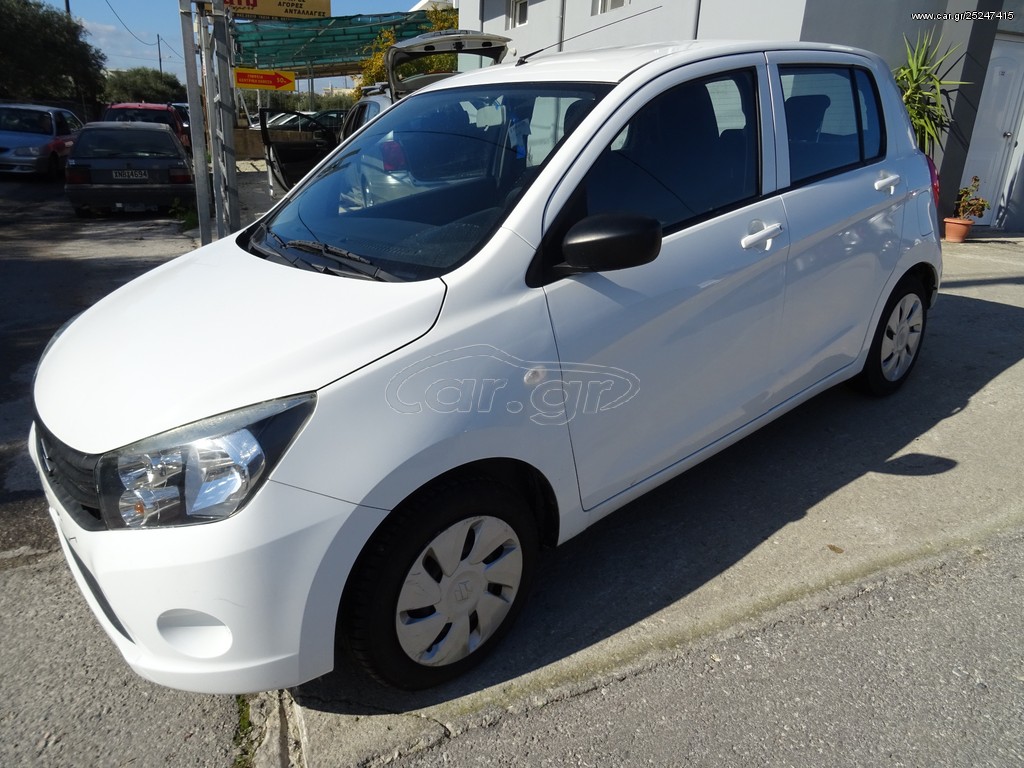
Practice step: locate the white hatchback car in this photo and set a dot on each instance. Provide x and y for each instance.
(357, 424)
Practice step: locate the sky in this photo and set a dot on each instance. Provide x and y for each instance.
(126, 30)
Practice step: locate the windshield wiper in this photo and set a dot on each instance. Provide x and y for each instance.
(354, 262)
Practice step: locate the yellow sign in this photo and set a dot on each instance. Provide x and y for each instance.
(279, 9)
(264, 79)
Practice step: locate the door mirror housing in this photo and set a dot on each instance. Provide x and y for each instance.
(609, 241)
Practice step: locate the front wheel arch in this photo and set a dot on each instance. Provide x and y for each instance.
(368, 626)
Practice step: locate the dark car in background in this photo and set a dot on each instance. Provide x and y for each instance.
(36, 139)
(143, 112)
(128, 167)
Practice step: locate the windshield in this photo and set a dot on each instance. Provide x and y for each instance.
(25, 121)
(112, 142)
(420, 189)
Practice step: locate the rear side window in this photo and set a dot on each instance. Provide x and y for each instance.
(833, 121)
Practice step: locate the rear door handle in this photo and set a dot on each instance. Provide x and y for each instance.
(888, 181)
(770, 231)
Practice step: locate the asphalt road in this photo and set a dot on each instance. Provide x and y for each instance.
(861, 558)
(922, 666)
(67, 696)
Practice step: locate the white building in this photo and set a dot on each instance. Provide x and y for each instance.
(987, 112)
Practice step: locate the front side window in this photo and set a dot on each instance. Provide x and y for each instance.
(419, 190)
(832, 120)
(689, 153)
(603, 6)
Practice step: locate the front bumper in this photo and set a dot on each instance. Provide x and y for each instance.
(27, 164)
(244, 604)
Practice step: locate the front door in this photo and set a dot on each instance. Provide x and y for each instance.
(694, 330)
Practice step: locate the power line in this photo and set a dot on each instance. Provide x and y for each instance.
(126, 26)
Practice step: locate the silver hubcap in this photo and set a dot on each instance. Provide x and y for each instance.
(459, 591)
(902, 337)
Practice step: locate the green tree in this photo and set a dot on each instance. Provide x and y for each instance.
(143, 84)
(44, 55)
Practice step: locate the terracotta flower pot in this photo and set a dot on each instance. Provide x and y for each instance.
(957, 229)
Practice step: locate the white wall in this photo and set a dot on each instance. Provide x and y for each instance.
(771, 20)
(673, 20)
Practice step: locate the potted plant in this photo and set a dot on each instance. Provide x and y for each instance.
(968, 207)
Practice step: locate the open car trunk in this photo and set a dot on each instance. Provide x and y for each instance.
(292, 155)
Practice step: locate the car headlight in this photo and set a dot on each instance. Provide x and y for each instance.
(201, 472)
(28, 151)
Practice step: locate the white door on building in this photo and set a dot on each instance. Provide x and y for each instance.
(996, 129)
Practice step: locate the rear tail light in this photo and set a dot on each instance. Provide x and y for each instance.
(180, 176)
(935, 180)
(393, 156)
(77, 175)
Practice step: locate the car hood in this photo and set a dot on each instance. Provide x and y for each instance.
(14, 139)
(212, 331)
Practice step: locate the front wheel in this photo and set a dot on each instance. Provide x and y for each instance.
(440, 583)
(896, 345)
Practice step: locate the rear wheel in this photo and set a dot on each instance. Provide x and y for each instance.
(440, 583)
(896, 345)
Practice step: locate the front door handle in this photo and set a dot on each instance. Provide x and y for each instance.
(756, 238)
(888, 181)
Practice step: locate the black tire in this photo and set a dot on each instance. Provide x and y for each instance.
(465, 600)
(82, 212)
(54, 169)
(898, 339)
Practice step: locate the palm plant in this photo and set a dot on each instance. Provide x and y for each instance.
(921, 81)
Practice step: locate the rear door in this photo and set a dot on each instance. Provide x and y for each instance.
(844, 198)
(294, 153)
(695, 330)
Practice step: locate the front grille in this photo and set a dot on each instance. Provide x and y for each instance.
(72, 476)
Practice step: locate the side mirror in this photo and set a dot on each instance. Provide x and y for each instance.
(609, 241)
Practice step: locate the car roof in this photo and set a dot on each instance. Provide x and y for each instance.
(36, 107)
(141, 105)
(118, 126)
(612, 65)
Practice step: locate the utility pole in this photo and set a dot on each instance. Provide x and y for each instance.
(159, 53)
(67, 6)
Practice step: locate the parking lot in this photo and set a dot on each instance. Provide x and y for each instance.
(839, 495)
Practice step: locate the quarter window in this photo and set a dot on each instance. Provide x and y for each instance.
(832, 120)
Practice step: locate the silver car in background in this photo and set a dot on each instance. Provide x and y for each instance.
(36, 139)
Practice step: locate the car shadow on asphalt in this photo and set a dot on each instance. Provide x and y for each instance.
(688, 532)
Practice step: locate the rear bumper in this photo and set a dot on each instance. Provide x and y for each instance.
(130, 195)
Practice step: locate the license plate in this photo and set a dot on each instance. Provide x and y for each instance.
(131, 175)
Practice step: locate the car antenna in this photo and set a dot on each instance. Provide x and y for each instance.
(522, 59)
